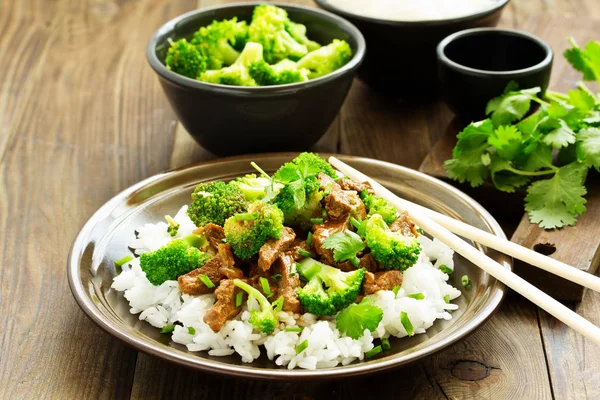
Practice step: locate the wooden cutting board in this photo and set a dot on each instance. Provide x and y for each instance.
(577, 246)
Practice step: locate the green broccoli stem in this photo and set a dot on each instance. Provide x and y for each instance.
(262, 300)
(194, 240)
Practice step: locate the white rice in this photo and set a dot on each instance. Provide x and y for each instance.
(327, 347)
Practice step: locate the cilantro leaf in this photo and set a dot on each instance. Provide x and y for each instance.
(511, 106)
(503, 178)
(345, 245)
(588, 146)
(586, 60)
(555, 202)
(354, 319)
(582, 100)
(506, 139)
(556, 132)
(540, 157)
(468, 163)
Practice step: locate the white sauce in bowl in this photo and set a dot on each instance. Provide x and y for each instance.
(413, 10)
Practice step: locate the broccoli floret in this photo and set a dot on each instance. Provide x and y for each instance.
(253, 187)
(265, 319)
(268, 27)
(217, 42)
(326, 59)
(341, 290)
(185, 59)
(215, 202)
(285, 71)
(247, 232)
(300, 198)
(298, 32)
(177, 258)
(391, 249)
(379, 205)
(238, 73)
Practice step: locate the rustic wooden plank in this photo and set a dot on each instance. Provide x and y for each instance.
(573, 360)
(80, 135)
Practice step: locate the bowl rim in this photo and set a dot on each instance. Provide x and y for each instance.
(81, 292)
(444, 59)
(428, 22)
(167, 29)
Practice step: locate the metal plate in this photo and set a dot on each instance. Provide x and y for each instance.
(105, 237)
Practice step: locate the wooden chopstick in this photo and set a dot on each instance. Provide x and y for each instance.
(478, 258)
(460, 228)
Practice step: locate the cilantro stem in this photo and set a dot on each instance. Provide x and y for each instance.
(207, 281)
(259, 169)
(550, 94)
(309, 239)
(304, 253)
(355, 261)
(552, 170)
(264, 283)
(238, 299)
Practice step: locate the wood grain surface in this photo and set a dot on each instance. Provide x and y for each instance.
(82, 117)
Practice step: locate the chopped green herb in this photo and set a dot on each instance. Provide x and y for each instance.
(309, 239)
(316, 221)
(446, 269)
(293, 329)
(191, 330)
(420, 231)
(373, 352)
(122, 261)
(418, 296)
(395, 289)
(206, 280)
(239, 298)
(447, 299)
(301, 347)
(276, 277)
(327, 189)
(264, 283)
(304, 253)
(408, 327)
(385, 343)
(167, 329)
(293, 269)
(465, 281)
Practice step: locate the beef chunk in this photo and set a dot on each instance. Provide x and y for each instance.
(288, 285)
(367, 262)
(299, 244)
(347, 184)
(336, 202)
(224, 309)
(214, 234)
(385, 280)
(216, 268)
(404, 225)
(273, 248)
(358, 207)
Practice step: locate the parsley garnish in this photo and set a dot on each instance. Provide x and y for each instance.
(345, 245)
(354, 319)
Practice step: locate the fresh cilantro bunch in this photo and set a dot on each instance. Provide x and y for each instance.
(549, 151)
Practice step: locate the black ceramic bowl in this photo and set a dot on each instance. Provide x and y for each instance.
(234, 119)
(401, 57)
(475, 66)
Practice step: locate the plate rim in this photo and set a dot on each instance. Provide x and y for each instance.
(79, 291)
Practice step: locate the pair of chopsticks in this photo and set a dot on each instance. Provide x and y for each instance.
(446, 229)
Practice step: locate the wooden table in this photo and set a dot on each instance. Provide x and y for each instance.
(82, 117)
